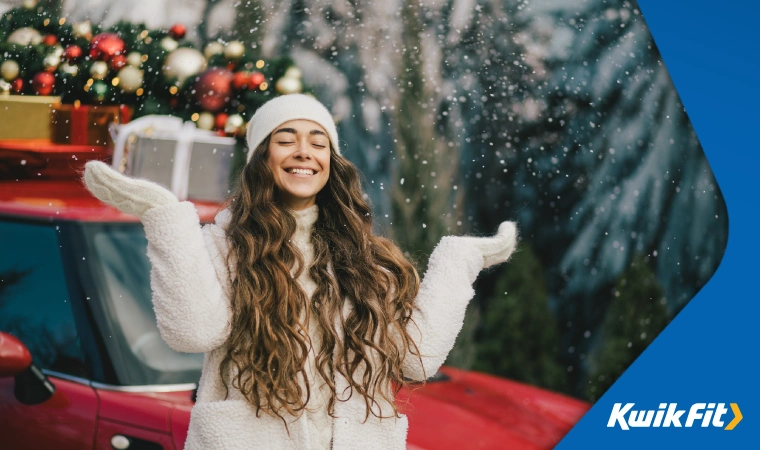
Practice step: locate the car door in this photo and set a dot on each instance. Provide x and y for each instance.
(35, 308)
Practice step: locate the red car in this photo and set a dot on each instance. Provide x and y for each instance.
(82, 364)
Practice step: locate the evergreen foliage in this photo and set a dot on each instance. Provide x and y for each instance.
(636, 315)
(517, 337)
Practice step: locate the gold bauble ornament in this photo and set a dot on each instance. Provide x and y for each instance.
(169, 44)
(183, 63)
(288, 85)
(130, 79)
(234, 124)
(29, 4)
(82, 30)
(205, 121)
(10, 70)
(234, 50)
(25, 36)
(213, 48)
(134, 59)
(99, 70)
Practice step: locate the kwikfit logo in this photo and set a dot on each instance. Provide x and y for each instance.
(668, 415)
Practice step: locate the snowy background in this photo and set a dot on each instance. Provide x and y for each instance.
(463, 113)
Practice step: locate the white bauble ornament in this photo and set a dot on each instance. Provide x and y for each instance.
(169, 44)
(9, 69)
(99, 70)
(205, 121)
(293, 72)
(213, 48)
(184, 63)
(51, 62)
(25, 36)
(71, 69)
(287, 85)
(234, 50)
(82, 30)
(134, 59)
(58, 50)
(234, 124)
(130, 79)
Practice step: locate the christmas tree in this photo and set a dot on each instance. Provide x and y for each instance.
(151, 71)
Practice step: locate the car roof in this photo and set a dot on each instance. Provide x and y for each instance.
(39, 180)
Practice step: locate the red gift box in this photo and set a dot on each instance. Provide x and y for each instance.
(85, 124)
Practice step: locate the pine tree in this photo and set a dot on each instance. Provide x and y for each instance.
(249, 24)
(517, 337)
(636, 315)
(424, 193)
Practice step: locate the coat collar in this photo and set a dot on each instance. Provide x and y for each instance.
(305, 217)
(223, 218)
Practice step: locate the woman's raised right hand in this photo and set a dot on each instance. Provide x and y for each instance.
(129, 195)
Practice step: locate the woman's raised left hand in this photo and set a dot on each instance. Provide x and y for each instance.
(498, 248)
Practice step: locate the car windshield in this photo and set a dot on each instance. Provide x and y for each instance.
(142, 356)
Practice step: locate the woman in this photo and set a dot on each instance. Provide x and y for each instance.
(305, 317)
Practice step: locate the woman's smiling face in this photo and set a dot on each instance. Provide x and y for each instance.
(299, 156)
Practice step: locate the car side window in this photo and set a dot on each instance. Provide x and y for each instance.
(34, 302)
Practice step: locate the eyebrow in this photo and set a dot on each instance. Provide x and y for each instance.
(292, 130)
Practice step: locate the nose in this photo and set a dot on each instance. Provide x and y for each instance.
(303, 150)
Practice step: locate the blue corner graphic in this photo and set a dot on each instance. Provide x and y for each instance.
(707, 355)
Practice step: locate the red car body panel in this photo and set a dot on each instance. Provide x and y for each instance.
(68, 200)
(494, 412)
(467, 410)
(108, 429)
(181, 423)
(148, 411)
(66, 421)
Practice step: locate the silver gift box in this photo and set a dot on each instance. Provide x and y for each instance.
(198, 170)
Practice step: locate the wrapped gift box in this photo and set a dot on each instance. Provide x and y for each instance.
(83, 124)
(193, 164)
(26, 116)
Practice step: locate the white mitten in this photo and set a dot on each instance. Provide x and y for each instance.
(498, 248)
(129, 195)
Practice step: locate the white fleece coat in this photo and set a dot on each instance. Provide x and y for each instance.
(189, 283)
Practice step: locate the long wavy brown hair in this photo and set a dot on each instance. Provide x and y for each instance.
(268, 345)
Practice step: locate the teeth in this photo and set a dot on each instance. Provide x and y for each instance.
(302, 171)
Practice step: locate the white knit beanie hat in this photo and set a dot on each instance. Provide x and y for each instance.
(284, 108)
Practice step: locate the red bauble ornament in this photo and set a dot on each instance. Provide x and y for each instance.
(43, 83)
(241, 80)
(212, 89)
(177, 31)
(73, 53)
(220, 120)
(256, 79)
(106, 45)
(17, 86)
(117, 62)
(50, 40)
